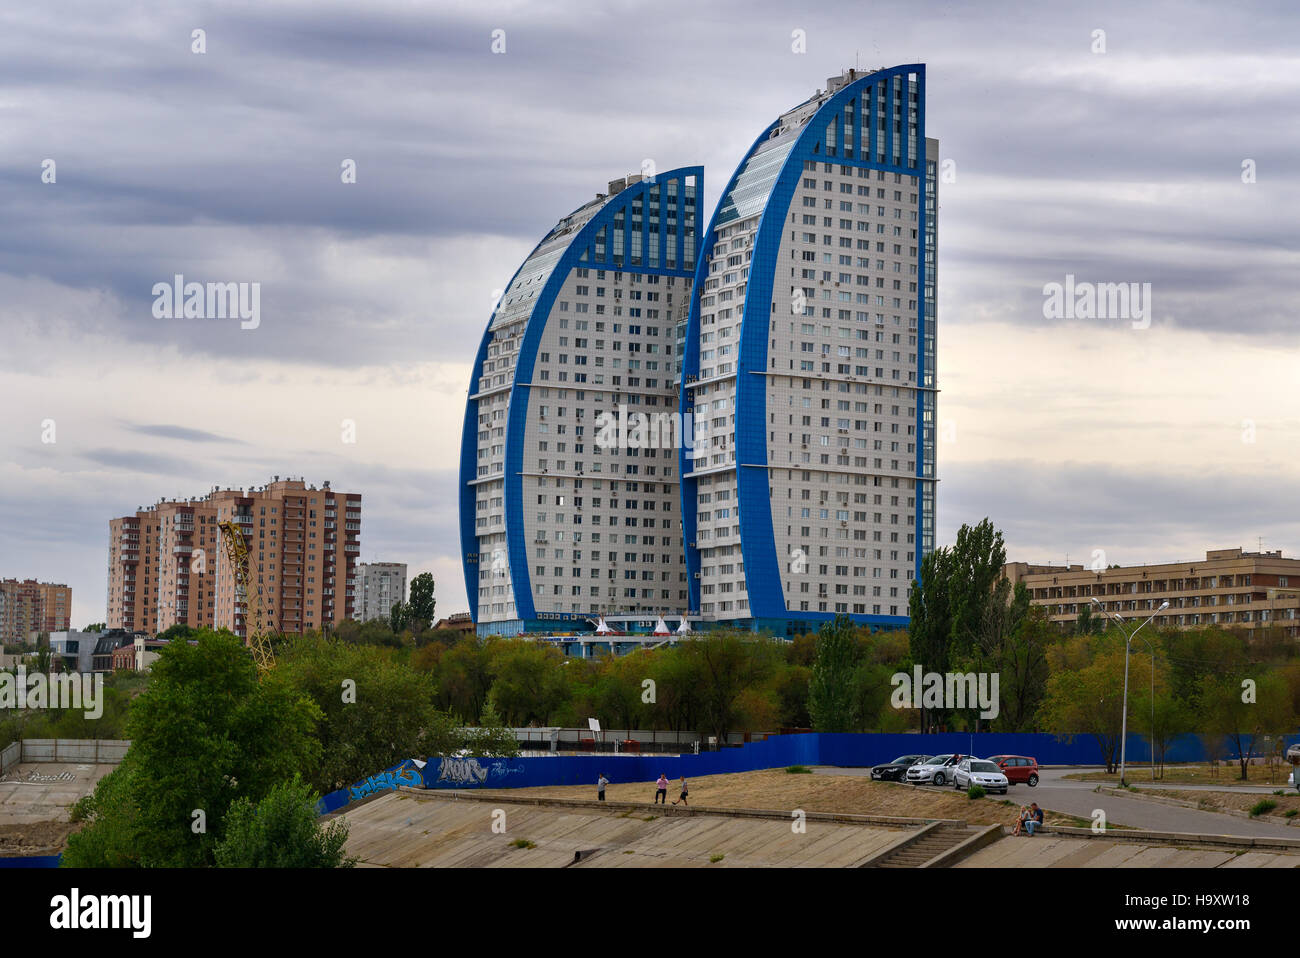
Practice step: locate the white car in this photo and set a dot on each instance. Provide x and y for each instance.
(935, 770)
(977, 771)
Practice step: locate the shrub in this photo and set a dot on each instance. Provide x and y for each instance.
(799, 770)
(1262, 806)
(976, 791)
(282, 831)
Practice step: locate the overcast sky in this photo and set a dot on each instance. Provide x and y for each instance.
(1073, 435)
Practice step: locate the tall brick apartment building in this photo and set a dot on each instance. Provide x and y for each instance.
(167, 564)
(28, 608)
(1230, 589)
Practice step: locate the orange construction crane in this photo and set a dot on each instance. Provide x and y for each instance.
(258, 626)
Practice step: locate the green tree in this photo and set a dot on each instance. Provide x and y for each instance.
(1087, 699)
(832, 701)
(461, 677)
(398, 617)
(178, 631)
(374, 710)
(1244, 706)
(1089, 624)
(679, 678)
(975, 569)
(929, 602)
(730, 665)
(491, 738)
(421, 603)
(204, 733)
(282, 831)
(527, 684)
(1023, 670)
(618, 690)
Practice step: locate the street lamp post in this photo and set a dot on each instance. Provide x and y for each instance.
(1128, 644)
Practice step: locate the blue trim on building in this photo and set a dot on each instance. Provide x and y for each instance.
(691, 368)
(469, 545)
(757, 539)
(923, 398)
(517, 416)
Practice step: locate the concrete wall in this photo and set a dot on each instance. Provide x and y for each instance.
(72, 750)
(10, 756)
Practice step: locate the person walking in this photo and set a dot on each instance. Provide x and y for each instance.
(682, 797)
(661, 790)
(600, 787)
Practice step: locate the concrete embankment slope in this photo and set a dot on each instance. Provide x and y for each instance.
(408, 829)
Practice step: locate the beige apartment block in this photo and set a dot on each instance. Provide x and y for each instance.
(1230, 589)
(28, 608)
(168, 565)
(133, 571)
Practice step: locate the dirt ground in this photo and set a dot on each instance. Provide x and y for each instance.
(1227, 775)
(34, 838)
(777, 788)
(1241, 801)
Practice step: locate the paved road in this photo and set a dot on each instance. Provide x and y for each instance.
(1079, 798)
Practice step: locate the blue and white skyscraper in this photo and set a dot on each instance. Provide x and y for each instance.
(555, 526)
(809, 366)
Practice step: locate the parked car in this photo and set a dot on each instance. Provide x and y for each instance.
(1019, 769)
(981, 772)
(896, 770)
(935, 770)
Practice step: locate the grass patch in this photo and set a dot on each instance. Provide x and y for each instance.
(649, 818)
(714, 859)
(976, 791)
(1291, 813)
(523, 843)
(1263, 806)
(799, 770)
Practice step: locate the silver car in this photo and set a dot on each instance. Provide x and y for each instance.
(977, 771)
(934, 770)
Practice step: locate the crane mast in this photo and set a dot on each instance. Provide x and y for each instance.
(257, 625)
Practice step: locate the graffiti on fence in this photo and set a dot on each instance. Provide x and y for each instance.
(462, 771)
(406, 775)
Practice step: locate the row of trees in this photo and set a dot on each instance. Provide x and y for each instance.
(225, 767)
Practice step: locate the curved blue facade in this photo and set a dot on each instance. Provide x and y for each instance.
(762, 565)
(568, 246)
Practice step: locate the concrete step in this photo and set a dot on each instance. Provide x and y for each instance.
(920, 852)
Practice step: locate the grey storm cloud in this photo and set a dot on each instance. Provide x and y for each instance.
(1136, 515)
(172, 162)
(165, 431)
(225, 167)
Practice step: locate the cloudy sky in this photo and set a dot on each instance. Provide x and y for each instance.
(1073, 435)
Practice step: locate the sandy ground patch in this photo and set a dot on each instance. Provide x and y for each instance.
(778, 789)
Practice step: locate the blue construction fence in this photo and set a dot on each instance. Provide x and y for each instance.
(853, 750)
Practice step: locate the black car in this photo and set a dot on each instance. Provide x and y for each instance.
(895, 771)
